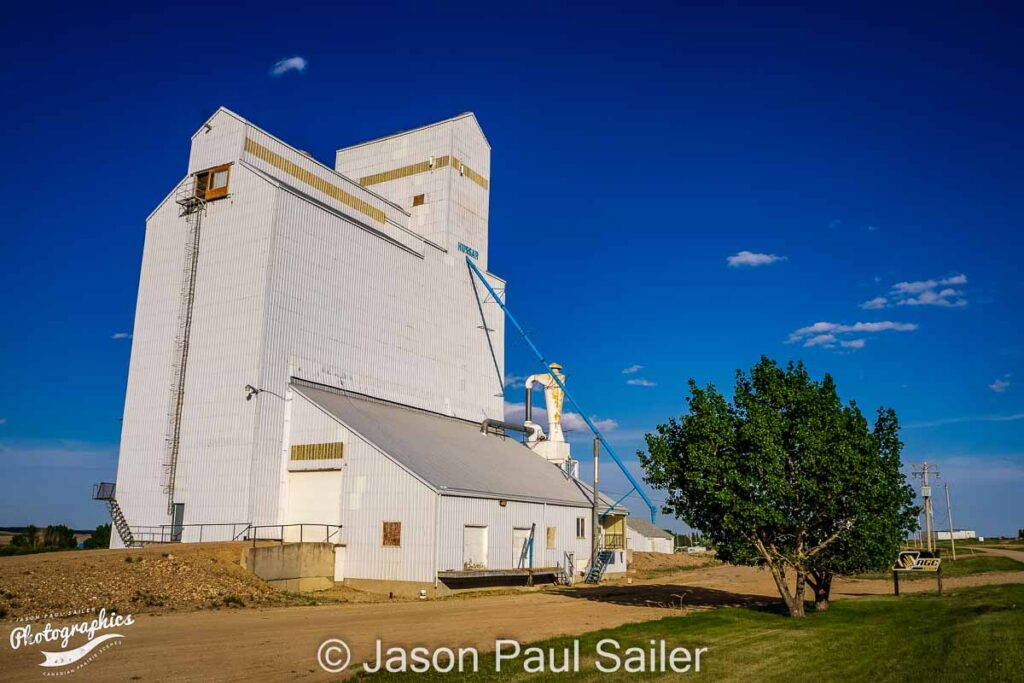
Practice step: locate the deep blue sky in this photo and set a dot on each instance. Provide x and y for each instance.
(632, 153)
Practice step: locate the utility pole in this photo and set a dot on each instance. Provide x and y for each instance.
(922, 471)
(949, 513)
(594, 521)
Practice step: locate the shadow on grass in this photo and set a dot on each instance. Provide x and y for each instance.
(672, 596)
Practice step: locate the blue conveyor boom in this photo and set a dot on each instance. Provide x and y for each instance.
(590, 423)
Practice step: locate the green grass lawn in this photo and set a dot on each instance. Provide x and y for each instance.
(963, 566)
(972, 634)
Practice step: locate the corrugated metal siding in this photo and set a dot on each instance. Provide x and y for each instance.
(273, 157)
(457, 512)
(351, 310)
(144, 427)
(218, 142)
(218, 461)
(287, 287)
(455, 207)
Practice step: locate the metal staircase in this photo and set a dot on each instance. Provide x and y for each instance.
(600, 565)
(105, 491)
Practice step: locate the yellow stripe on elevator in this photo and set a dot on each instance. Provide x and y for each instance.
(313, 180)
(423, 167)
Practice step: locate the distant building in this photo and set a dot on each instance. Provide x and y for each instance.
(644, 536)
(958, 535)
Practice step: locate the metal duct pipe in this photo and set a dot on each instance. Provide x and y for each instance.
(529, 402)
(529, 430)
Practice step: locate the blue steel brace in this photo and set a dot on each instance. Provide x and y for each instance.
(583, 414)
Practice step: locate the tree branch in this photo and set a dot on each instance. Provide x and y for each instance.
(844, 526)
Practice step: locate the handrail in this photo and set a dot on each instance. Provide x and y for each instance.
(328, 534)
(171, 533)
(561, 385)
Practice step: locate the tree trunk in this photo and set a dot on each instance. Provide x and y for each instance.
(797, 608)
(822, 589)
(794, 603)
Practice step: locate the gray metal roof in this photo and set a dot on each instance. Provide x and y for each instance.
(647, 529)
(451, 455)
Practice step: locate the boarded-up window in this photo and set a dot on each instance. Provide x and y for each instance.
(318, 451)
(418, 200)
(392, 535)
(552, 537)
(581, 527)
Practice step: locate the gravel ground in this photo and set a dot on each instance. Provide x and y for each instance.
(151, 579)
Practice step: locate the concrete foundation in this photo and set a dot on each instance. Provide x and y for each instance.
(295, 567)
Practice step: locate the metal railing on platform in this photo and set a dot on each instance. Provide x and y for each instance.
(236, 531)
(264, 532)
(197, 533)
(614, 541)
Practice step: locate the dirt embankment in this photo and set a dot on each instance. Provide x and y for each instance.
(647, 565)
(152, 579)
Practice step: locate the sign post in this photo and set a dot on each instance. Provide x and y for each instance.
(916, 561)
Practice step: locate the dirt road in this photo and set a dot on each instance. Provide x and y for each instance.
(1012, 554)
(281, 643)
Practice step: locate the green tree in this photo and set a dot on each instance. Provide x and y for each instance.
(59, 536)
(28, 538)
(100, 538)
(785, 476)
(883, 510)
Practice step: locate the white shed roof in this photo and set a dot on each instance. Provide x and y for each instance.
(451, 455)
(647, 529)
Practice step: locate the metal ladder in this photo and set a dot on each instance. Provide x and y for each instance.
(191, 207)
(600, 565)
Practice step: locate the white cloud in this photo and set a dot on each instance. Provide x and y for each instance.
(571, 422)
(632, 369)
(1011, 417)
(752, 259)
(838, 328)
(828, 334)
(1001, 384)
(940, 292)
(121, 335)
(876, 303)
(826, 340)
(641, 382)
(515, 381)
(287, 64)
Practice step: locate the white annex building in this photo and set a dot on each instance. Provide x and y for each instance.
(311, 348)
(644, 536)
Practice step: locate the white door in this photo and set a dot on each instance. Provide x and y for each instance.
(520, 549)
(474, 547)
(314, 499)
(339, 563)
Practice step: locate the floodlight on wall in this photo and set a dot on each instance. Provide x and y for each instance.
(250, 391)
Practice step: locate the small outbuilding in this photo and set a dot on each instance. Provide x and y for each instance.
(644, 536)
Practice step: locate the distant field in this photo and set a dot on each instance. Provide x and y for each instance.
(973, 634)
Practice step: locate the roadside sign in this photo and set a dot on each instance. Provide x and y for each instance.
(916, 561)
